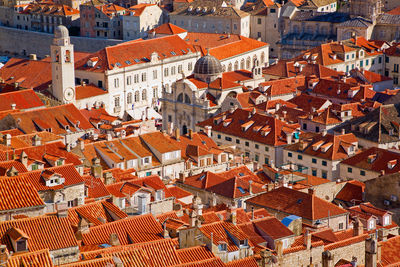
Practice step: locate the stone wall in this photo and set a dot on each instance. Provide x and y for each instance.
(21, 42)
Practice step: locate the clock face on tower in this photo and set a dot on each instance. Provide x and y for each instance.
(69, 94)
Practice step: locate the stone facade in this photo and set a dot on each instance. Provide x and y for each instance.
(7, 215)
(137, 26)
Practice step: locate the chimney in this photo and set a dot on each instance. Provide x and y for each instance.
(208, 130)
(123, 133)
(68, 147)
(82, 144)
(165, 231)
(190, 134)
(36, 140)
(233, 215)
(358, 228)
(177, 134)
(182, 177)
(32, 57)
(108, 178)
(382, 172)
(62, 210)
(343, 131)
(371, 251)
(12, 172)
(23, 158)
(109, 137)
(13, 106)
(117, 262)
(250, 187)
(114, 241)
(83, 226)
(252, 213)
(353, 261)
(7, 139)
(3, 254)
(307, 240)
(96, 169)
(324, 132)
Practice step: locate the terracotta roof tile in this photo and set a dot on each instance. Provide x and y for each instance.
(390, 251)
(168, 28)
(40, 258)
(87, 91)
(248, 262)
(58, 234)
(17, 193)
(95, 187)
(194, 254)
(132, 227)
(24, 99)
(297, 203)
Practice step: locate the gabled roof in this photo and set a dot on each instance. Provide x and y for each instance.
(129, 231)
(286, 69)
(24, 99)
(375, 159)
(255, 127)
(168, 29)
(95, 187)
(136, 52)
(390, 251)
(68, 172)
(194, 254)
(97, 213)
(17, 193)
(60, 119)
(326, 146)
(294, 202)
(284, 86)
(49, 9)
(39, 239)
(37, 258)
(110, 9)
(248, 262)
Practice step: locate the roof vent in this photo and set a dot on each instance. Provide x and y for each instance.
(190, 8)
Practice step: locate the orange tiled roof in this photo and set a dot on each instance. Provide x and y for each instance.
(110, 9)
(87, 91)
(40, 258)
(96, 211)
(101, 262)
(24, 99)
(55, 118)
(194, 254)
(17, 193)
(136, 52)
(168, 28)
(326, 146)
(95, 187)
(248, 262)
(58, 234)
(49, 9)
(271, 132)
(390, 251)
(132, 227)
(297, 203)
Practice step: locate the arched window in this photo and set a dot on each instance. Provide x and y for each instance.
(230, 67)
(255, 61)
(137, 96)
(67, 56)
(236, 65)
(166, 87)
(129, 98)
(223, 68)
(262, 58)
(57, 57)
(187, 99)
(180, 98)
(242, 64)
(248, 63)
(144, 94)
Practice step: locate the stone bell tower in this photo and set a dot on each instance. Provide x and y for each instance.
(62, 66)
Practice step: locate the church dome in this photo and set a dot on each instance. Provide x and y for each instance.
(61, 32)
(208, 65)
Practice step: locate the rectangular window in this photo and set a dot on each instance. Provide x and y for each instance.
(314, 172)
(256, 157)
(266, 149)
(246, 143)
(256, 146)
(258, 21)
(219, 136)
(300, 157)
(144, 76)
(362, 173)
(387, 59)
(266, 160)
(237, 141)
(314, 160)
(129, 80)
(305, 126)
(100, 84)
(349, 170)
(340, 226)
(34, 167)
(379, 59)
(324, 174)
(116, 101)
(227, 138)
(289, 154)
(324, 163)
(366, 62)
(154, 74)
(116, 82)
(247, 154)
(166, 72)
(136, 78)
(396, 68)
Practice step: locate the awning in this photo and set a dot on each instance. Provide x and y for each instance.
(151, 113)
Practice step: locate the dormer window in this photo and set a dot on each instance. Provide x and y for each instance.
(386, 220)
(222, 246)
(392, 163)
(371, 158)
(243, 243)
(18, 239)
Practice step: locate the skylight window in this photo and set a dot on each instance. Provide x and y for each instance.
(128, 62)
(299, 201)
(173, 53)
(118, 64)
(241, 174)
(202, 177)
(241, 190)
(137, 60)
